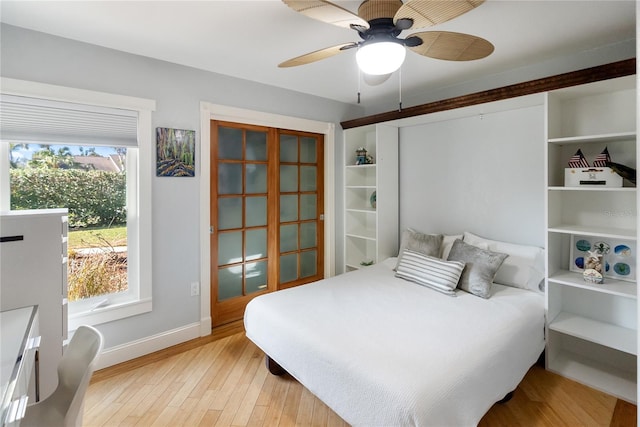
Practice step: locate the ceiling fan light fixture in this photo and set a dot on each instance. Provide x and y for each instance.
(380, 57)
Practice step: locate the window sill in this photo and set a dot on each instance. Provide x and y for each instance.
(109, 313)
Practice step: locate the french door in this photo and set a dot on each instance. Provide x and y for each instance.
(266, 213)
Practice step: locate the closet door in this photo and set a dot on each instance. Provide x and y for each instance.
(266, 214)
(239, 218)
(300, 219)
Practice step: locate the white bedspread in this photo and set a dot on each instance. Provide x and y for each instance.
(382, 351)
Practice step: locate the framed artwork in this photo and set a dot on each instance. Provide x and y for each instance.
(175, 152)
(620, 255)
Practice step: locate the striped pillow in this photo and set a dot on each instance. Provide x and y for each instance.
(434, 273)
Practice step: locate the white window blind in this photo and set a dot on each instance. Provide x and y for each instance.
(40, 121)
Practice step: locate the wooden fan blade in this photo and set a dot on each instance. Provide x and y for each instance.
(426, 13)
(452, 46)
(316, 56)
(372, 80)
(326, 11)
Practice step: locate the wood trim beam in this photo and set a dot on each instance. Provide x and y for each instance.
(588, 75)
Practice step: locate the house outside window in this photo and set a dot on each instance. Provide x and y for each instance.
(78, 135)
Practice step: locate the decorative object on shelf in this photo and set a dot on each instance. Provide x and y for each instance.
(578, 160)
(175, 152)
(601, 174)
(624, 171)
(593, 267)
(619, 263)
(602, 159)
(366, 263)
(373, 200)
(361, 156)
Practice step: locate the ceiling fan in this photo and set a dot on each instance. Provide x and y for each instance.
(380, 22)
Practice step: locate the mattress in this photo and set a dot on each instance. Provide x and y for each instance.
(380, 350)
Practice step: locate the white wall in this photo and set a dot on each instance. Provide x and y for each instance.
(482, 173)
(178, 90)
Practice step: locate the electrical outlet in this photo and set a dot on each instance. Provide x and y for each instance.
(195, 289)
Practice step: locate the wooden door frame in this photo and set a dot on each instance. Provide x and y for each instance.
(208, 112)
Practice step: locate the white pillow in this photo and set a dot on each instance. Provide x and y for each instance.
(523, 268)
(431, 272)
(447, 242)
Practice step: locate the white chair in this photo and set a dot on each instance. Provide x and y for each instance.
(65, 405)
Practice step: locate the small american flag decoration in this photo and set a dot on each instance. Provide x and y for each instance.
(602, 159)
(578, 160)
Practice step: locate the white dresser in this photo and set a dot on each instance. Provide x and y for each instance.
(33, 271)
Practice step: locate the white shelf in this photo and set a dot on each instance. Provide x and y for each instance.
(610, 232)
(610, 285)
(595, 189)
(365, 210)
(617, 382)
(607, 137)
(592, 333)
(371, 234)
(362, 234)
(613, 336)
(368, 166)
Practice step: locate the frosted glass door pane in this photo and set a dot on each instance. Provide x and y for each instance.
(308, 178)
(229, 282)
(288, 238)
(229, 247)
(308, 206)
(256, 145)
(307, 150)
(229, 143)
(229, 213)
(308, 262)
(288, 208)
(288, 178)
(256, 211)
(308, 235)
(256, 178)
(229, 178)
(256, 276)
(288, 148)
(288, 268)
(256, 244)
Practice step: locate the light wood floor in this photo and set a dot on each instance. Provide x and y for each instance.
(222, 381)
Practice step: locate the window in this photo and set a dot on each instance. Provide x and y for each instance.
(91, 182)
(62, 120)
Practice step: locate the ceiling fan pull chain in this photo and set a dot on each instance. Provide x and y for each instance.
(400, 89)
(359, 78)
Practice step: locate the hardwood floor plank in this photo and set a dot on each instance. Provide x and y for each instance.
(277, 399)
(292, 402)
(305, 408)
(253, 392)
(224, 381)
(257, 416)
(210, 418)
(624, 414)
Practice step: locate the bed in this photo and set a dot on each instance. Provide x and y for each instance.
(382, 350)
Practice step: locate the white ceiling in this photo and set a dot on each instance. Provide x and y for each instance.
(248, 39)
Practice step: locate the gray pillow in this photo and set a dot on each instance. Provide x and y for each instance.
(426, 244)
(480, 268)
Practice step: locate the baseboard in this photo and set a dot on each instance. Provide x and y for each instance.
(124, 352)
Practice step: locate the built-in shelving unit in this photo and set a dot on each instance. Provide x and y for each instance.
(370, 196)
(592, 328)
